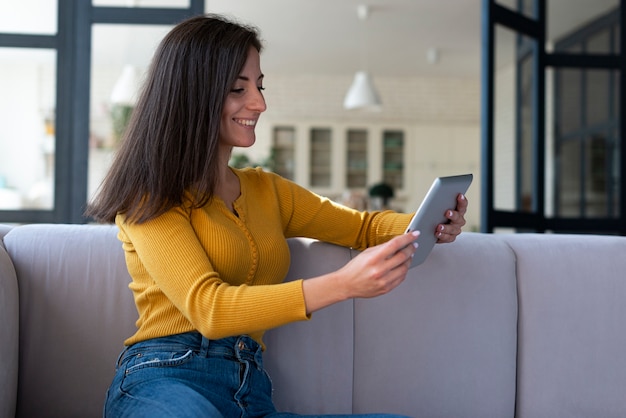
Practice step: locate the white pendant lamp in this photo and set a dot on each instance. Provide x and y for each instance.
(125, 89)
(362, 93)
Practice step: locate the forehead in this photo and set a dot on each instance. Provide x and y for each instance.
(253, 61)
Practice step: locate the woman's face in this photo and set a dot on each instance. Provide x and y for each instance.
(244, 105)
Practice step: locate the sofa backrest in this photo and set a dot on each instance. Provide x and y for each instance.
(75, 312)
(311, 363)
(446, 339)
(444, 342)
(572, 325)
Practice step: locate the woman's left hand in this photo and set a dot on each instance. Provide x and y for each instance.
(448, 232)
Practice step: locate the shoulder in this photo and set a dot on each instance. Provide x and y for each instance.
(261, 181)
(258, 176)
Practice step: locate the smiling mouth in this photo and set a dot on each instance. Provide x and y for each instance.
(246, 122)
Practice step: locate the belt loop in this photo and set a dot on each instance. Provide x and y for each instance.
(118, 363)
(204, 346)
(258, 358)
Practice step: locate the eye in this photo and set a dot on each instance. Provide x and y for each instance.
(261, 88)
(238, 91)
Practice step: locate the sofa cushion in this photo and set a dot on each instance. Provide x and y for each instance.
(445, 339)
(572, 343)
(9, 321)
(75, 312)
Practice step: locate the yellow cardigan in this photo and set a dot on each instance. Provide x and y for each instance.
(221, 274)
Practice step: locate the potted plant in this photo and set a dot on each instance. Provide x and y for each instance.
(382, 192)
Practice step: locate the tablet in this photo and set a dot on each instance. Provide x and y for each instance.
(440, 197)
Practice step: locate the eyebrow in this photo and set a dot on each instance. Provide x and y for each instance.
(243, 77)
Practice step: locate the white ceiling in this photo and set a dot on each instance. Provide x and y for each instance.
(326, 36)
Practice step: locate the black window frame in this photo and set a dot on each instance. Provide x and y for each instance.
(534, 219)
(72, 43)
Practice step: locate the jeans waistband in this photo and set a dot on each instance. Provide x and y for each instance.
(240, 348)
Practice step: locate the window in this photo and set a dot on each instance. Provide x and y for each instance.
(585, 122)
(46, 135)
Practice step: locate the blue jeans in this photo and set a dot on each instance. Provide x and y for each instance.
(187, 375)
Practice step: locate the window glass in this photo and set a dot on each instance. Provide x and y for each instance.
(37, 17)
(505, 178)
(600, 42)
(598, 91)
(120, 57)
(526, 123)
(564, 18)
(569, 99)
(615, 179)
(142, 3)
(569, 196)
(598, 167)
(27, 128)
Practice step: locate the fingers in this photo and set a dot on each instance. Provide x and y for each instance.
(403, 247)
(379, 269)
(402, 242)
(446, 233)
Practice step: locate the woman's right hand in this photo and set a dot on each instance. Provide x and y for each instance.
(374, 272)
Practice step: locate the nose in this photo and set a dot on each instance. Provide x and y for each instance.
(257, 101)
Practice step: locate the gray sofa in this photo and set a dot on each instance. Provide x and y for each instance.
(489, 326)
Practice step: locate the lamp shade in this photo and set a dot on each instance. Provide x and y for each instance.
(125, 89)
(362, 94)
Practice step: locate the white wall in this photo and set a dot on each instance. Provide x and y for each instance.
(440, 116)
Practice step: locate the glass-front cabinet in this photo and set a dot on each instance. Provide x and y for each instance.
(356, 159)
(283, 145)
(321, 164)
(393, 159)
(340, 161)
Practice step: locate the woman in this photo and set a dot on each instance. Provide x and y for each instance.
(205, 244)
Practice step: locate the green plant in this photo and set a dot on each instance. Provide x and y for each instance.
(120, 114)
(383, 191)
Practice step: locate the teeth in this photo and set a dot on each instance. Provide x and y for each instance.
(246, 122)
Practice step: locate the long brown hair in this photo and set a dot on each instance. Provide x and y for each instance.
(171, 141)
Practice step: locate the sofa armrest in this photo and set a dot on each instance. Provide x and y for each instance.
(9, 337)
